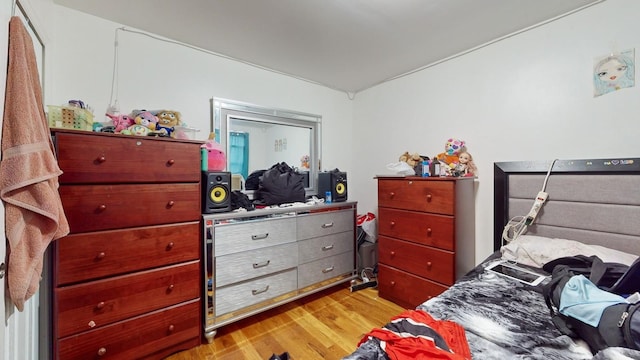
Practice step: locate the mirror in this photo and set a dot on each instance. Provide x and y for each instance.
(256, 138)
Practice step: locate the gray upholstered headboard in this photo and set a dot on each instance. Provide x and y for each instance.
(595, 201)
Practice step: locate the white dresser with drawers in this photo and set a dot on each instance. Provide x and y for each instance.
(261, 259)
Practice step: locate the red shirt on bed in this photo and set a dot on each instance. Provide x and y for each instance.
(414, 334)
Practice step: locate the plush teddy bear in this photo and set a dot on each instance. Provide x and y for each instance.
(146, 119)
(136, 129)
(168, 120)
(120, 122)
(411, 159)
(452, 148)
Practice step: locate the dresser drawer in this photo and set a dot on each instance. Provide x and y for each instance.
(428, 262)
(422, 228)
(236, 297)
(113, 159)
(405, 289)
(436, 196)
(237, 237)
(137, 337)
(246, 265)
(323, 269)
(86, 256)
(321, 247)
(321, 224)
(101, 207)
(98, 303)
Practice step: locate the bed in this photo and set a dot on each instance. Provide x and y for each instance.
(593, 209)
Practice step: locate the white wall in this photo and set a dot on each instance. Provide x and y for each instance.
(529, 97)
(154, 74)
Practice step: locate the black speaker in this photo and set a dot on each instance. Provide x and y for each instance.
(216, 191)
(334, 181)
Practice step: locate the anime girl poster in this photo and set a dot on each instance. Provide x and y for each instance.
(614, 72)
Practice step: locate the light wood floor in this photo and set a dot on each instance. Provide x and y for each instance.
(327, 325)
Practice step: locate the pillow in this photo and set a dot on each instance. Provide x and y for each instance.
(538, 250)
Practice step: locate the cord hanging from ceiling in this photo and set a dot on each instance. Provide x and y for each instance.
(114, 108)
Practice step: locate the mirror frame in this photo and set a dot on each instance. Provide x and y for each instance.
(223, 109)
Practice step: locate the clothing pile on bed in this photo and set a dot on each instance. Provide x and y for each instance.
(502, 318)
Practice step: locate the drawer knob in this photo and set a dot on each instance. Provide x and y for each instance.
(101, 159)
(102, 351)
(392, 194)
(170, 288)
(327, 225)
(429, 231)
(92, 324)
(171, 203)
(393, 253)
(102, 207)
(100, 305)
(101, 255)
(328, 247)
(392, 223)
(329, 269)
(171, 328)
(429, 198)
(170, 245)
(393, 283)
(171, 162)
(429, 265)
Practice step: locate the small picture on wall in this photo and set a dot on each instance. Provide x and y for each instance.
(613, 72)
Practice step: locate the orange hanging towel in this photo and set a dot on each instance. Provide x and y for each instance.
(28, 171)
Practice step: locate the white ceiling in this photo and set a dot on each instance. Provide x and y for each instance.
(348, 45)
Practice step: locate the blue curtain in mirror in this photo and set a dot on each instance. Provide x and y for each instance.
(239, 153)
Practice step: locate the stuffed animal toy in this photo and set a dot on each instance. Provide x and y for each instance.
(411, 159)
(452, 149)
(216, 159)
(146, 119)
(136, 129)
(120, 122)
(168, 120)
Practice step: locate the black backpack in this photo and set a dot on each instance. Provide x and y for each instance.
(613, 277)
(619, 325)
(281, 184)
(253, 180)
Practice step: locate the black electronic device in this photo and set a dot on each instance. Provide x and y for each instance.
(216, 191)
(335, 182)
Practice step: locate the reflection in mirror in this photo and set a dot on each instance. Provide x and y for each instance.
(256, 138)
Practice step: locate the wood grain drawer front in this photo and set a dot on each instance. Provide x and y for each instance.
(419, 195)
(251, 264)
(98, 303)
(235, 297)
(137, 337)
(232, 238)
(321, 224)
(417, 259)
(81, 257)
(109, 159)
(422, 228)
(322, 247)
(405, 289)
(102, 207)
(323, 269)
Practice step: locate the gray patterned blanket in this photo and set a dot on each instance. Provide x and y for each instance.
(503, 319)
